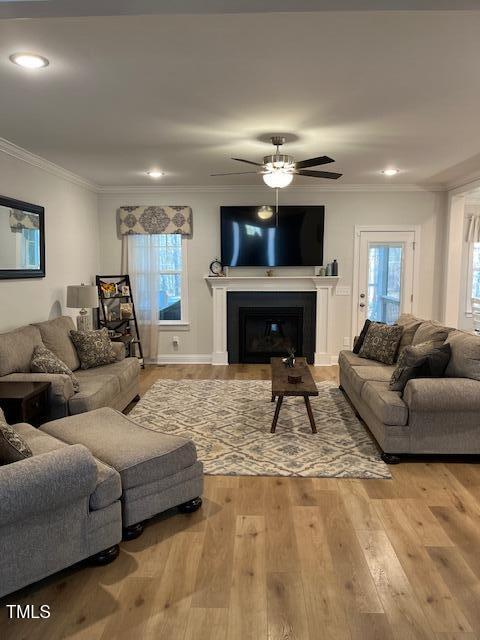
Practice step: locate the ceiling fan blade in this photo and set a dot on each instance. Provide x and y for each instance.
(257, 164)
(313, 162)
(235, 173)
(319, 174)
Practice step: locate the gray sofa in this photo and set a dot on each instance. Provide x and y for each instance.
(433, 415)
(93, 479)
(114, 385)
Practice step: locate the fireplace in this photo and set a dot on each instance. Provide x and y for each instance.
(269, 331)
(265, 325)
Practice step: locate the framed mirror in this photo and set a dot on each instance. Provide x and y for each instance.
(22, 239)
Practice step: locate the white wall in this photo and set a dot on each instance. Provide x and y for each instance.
(344, 210)
(72, 250)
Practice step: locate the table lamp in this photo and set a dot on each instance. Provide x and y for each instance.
(83, 297)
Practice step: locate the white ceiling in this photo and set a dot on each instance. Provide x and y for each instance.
(186, 92)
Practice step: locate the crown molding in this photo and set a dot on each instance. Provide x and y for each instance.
(150, 189)
(19, 153)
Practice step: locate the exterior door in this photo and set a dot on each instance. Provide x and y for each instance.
(385, 275)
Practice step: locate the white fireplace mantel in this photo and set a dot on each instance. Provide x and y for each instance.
(323, 286)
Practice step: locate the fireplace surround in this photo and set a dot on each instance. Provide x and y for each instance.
(325, 351)
(261, 325)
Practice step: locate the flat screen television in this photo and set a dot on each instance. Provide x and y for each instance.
(294, 238)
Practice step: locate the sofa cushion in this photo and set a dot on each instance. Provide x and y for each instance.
(95, 391)
(16, 349)
(140, 455)
(126, 371)
(410, 324)
(45, 361)
(12, 446)
(357, 376)
(56, 337)
(387, 405)
(348, 358)
(465, 357)
(430, 331)
(381, 342)
(94, 348)
(108, 487)
(425, 360)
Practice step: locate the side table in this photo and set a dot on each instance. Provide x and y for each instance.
(24, 402)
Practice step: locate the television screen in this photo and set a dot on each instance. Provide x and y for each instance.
(292, 238)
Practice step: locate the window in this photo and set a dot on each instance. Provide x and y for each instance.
(473, 279)
(30, 249)
(157, 265)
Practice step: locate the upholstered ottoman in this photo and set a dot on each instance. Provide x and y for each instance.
(158, 471)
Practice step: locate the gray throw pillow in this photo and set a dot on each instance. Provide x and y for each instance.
(381, 342)
(465, 360)
(94, 348)
(45, 361)
(430, 331)
(12, 447)
(426, 360)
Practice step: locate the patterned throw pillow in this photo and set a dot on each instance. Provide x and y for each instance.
(12, 446)
(359, 341)
(381, 342)
(425, 360)
(93, 347)
(45, 361)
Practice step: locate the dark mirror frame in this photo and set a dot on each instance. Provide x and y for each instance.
(13, 274)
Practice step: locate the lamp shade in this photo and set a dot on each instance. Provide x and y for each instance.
(82, 296)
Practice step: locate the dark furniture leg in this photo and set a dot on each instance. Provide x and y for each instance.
(106, 556)
(277, 411)
(191, 505)
(132, 532)
(273, 398)
(136, 398)
(390, 458)
(340, 387)
(310, 414)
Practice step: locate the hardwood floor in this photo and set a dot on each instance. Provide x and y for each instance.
(284, 558)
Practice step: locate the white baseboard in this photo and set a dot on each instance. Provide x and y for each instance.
(185, 358)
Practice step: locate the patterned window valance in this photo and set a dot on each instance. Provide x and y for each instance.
(20, 220)
(155, 220)
(473, 229)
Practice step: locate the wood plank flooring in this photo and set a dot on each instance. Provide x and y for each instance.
(284, 559)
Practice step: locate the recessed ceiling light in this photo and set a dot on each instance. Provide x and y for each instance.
(29, 60)
(390, 172)
(155, 173)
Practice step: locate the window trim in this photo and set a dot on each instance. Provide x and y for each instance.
(184, 321)
(468, 296)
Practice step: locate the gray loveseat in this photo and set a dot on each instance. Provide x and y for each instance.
(114, 385)
(434, 415)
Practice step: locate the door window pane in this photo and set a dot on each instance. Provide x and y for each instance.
(476, 271)
(384, 282)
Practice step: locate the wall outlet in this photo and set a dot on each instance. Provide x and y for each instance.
(343, 291)
(347, 341)
(176, 341)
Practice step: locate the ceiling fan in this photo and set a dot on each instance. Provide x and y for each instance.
(278, 169)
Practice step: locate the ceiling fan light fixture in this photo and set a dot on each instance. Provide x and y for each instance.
(278, 178)
(265, 212)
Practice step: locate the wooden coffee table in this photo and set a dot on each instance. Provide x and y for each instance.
(281, 387)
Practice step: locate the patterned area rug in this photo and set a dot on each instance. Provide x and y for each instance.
(229, 421)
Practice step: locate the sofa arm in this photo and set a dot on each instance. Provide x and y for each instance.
(61, 386)
(442, 394)
(119, 349)
(45, 482)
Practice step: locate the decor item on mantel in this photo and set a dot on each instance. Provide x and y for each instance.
(155, 220)
(216, 268)
(82, 297)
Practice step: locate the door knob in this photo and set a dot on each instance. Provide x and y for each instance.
(362, 304)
